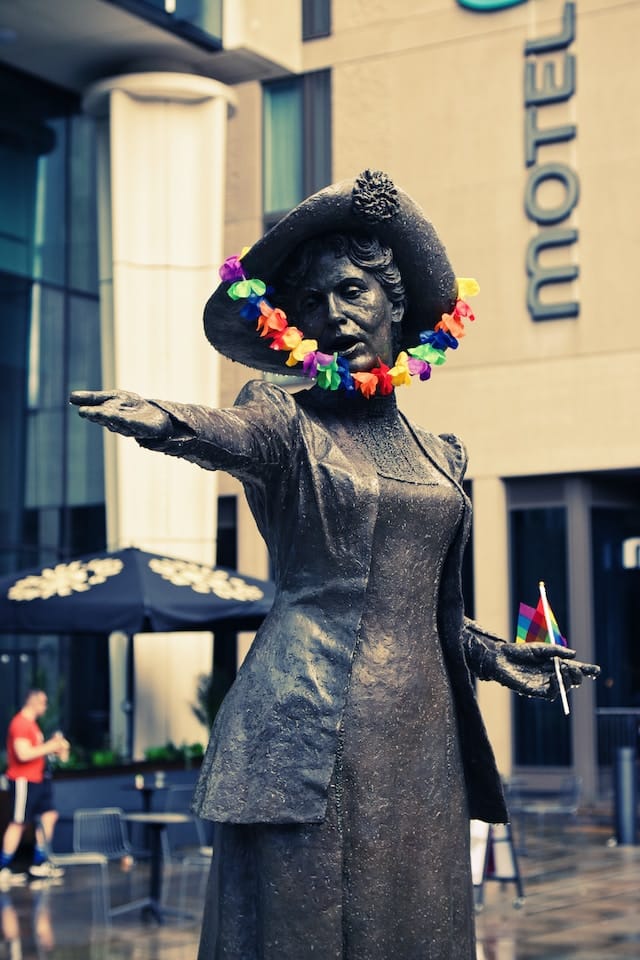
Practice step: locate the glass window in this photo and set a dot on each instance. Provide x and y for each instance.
(296, 141)
(51, 481)
(317, 136)
(46, 383)
(17, 202)
(198, 20)
(227, 539)
(32, 150)
(50, 224)
(539, 552)
(87, 721)
(44, 475)
(84, 364)
(83, 228)
(616, 604)
(316, 19)
(15, 299)
(283, 145)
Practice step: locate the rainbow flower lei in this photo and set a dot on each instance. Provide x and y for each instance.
(331, 371)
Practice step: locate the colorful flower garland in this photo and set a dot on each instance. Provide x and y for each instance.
(331, 371)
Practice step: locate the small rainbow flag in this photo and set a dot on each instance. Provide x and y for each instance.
(532, 626)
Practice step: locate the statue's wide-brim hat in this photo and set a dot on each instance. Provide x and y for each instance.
(369, 204)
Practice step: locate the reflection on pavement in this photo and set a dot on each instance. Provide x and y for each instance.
(39, 930)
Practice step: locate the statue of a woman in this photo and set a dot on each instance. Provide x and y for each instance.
(349, 755)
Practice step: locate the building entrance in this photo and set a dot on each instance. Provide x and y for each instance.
(581, 535)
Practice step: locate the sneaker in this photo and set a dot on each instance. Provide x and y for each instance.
(35, 885)
(10, 879)
(45, 871)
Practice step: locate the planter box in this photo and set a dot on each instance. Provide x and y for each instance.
(104, 787)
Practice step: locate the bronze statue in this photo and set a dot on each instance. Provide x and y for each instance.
(349, 755)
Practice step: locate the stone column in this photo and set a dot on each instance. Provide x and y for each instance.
(162, 141)
(580, 580)
(491, 579)
(161, 179)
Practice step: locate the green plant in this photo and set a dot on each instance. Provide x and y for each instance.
(169, 753)
(166, 754)
(210, 692)
(105, 758)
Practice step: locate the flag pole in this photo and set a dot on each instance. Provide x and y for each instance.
(556, 661)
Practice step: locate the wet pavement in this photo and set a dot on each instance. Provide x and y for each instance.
(581, 903)
(582, 898)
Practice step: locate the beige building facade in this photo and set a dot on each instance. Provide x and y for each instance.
(516, 128)
(518, 133)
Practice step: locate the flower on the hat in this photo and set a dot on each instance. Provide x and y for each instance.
(399, 372)
(271, 320)
(374, 196)
(385, 383)
(231, 270)
(419, 368)
(439, 339)
(289, 339)
(345, 375)
(452, 324)
(428, 353)
(463, 310)
(310, 365)
(299, 353)
(328, 375)
(366, 383)
(467, 287)
(251, 308)
(244, 288)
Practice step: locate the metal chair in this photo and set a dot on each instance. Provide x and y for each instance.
(100, 891)
(101, 900)
(561, 799)
(186, 845)
(102, 830)
(200, 860)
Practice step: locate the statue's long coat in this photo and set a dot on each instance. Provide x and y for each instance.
(315, 498)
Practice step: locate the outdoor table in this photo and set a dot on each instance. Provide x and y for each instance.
(157, 823)
(146, 792)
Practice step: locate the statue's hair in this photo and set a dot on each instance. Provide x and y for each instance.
(363, 250)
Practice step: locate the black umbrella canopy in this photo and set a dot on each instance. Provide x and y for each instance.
(132, 591)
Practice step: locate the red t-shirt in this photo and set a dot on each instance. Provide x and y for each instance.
(21, 728)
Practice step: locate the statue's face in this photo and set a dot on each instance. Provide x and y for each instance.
(347, 311)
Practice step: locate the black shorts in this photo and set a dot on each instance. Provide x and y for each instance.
(29, 800)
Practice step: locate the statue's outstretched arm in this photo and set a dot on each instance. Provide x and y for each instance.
(255, 436)
(123, 412)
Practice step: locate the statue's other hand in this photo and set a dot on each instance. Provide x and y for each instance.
(123, 412)
(529, 668)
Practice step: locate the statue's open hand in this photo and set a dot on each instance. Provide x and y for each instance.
(123, 412)
(529, 668)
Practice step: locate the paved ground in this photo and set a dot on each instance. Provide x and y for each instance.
(581, 903)
(582, 899)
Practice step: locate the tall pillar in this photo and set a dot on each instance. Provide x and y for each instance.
(162, 141)
(580, 581)
(491, 591)
(161, 180)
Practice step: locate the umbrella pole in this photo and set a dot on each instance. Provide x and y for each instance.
(128, 705)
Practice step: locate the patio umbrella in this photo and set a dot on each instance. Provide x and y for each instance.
(131, 591)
